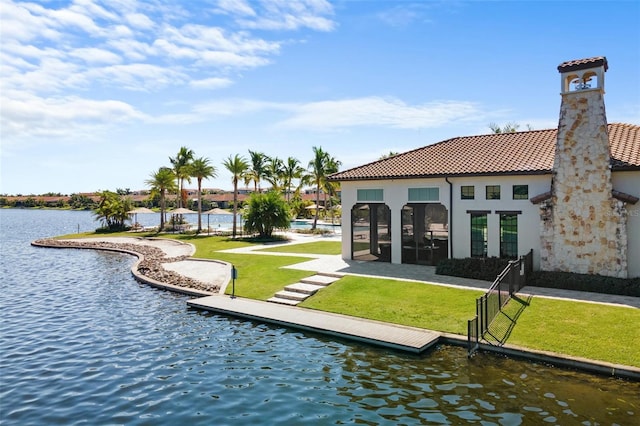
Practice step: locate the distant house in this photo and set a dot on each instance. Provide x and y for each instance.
(569, 194)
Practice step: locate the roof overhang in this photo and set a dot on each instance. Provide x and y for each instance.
(439, 176)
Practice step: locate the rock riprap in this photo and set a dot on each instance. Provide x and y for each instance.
(150, 265)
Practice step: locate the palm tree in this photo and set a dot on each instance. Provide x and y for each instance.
(257, 170)
(238, 167)
(161, 182)
(291, 170)
(330, 187)
(510, 127)
(320, 167)
(273, 172)
(181, 167)
(201, 169)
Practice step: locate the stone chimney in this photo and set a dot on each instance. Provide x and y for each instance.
(583, 226)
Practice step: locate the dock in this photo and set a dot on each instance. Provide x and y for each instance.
(411, 339)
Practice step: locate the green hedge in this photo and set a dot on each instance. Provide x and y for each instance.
(479, 268)
(585, 282)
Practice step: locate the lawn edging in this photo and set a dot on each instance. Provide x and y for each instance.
(553, 358)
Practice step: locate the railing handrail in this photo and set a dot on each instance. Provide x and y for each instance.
(484, 316)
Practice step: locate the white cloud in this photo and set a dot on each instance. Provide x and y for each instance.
(139, 21)
(292, 15)
(131, 49)
(55, 54)
(341, 114)
(67, 19)
(138, 77)
(93, 55)
(235, 7)
(127, 42)
(29, 116)
(18, 23)
(211, 83)
(376, 112)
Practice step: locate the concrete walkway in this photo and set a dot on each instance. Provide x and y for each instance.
(394, 336)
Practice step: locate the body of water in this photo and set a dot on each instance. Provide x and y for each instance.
(82, 343)
(225, 222)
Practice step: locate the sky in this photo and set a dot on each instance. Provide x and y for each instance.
(97, 95)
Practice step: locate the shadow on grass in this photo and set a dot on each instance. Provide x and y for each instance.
(504, 323)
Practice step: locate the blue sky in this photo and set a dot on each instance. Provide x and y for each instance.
(97, 95)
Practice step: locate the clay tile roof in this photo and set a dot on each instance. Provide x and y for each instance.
(519, 153)
(625, 146)
(580, 64)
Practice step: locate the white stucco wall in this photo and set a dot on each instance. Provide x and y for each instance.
(528, 220)
(396, 196)
(629, 183)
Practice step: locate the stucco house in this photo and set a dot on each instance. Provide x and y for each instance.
(569, 194)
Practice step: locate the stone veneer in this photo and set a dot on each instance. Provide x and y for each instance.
(583, 226)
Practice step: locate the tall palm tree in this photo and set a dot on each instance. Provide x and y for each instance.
(257, 170)
(202, 169)
(330, 187)
(273, 172)
(181, 167)
(291, 170)
(238, 167)
(161, 182)
(320, 167)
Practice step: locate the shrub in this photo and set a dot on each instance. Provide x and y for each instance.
(266, 212)
(585, 282)
(479, 268)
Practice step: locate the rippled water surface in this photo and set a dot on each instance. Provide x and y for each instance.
(83, 343)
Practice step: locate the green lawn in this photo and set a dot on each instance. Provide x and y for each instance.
(588, 330)
(259, 276)
(400, 302)
(316, 247)
(594, 331)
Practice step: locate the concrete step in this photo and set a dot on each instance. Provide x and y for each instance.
(304, 288)
(281, 301)
(296, 293)
(292, 295)
(323, 280)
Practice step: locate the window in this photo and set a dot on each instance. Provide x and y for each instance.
(509, 235)
(370, 195)
(493, 192)
(424, 194)
(478, 235)
(467, 192)
(520, 192)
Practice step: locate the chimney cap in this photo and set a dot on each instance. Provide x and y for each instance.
(581, 64)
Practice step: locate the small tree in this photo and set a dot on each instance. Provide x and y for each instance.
(112, 210)
(266, 212)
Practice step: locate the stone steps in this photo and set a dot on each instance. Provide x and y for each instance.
(296, 293)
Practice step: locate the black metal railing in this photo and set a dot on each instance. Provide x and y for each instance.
(490, 304)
